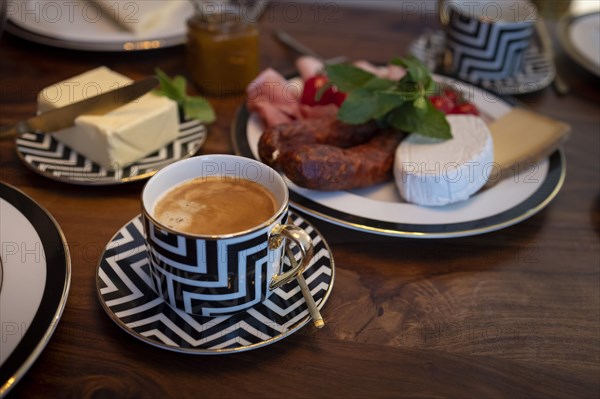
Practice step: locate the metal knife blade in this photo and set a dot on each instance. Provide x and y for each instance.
(302, 49)
(101, 104)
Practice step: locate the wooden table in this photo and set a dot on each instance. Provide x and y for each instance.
(513, 313)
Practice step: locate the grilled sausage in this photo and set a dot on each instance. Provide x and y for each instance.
(326, 167)
(277, 142)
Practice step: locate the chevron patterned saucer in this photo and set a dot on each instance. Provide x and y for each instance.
(126, 293)
(45, 155)
(536, 73)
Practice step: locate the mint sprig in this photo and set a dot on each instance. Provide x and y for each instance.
(401, 104)
(194, 107)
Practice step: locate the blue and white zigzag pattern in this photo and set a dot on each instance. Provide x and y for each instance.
(486, 51)
(127, 294)
(214, 290)
(536, 70)
(44, 154)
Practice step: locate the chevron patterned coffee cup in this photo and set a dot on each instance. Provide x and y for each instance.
(486, 40)
(214, 275)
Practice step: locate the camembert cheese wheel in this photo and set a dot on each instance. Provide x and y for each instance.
(435, 172)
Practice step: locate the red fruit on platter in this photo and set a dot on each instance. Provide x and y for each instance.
(465, 109)
(314, 85)
(451, 95)
(339, 97)
(442, 103)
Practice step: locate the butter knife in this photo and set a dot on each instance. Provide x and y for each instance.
(64, 117)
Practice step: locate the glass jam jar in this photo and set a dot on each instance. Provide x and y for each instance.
(222, 51)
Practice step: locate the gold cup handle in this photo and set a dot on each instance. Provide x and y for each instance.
(302, 240)
(444, 59)
(444, 12)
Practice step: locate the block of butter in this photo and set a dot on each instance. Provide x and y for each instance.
(121, 136)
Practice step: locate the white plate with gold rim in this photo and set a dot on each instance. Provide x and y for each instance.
(36, 274)
(127, 294)
(83, 25)
(579, 35)
(380, 209)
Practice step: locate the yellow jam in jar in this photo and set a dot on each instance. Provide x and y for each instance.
(222, 52)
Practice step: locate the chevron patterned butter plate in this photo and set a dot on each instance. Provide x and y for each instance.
(43, 154)
(126, 292)
(536, 73)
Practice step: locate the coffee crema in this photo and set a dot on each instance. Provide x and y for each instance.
(215, 205)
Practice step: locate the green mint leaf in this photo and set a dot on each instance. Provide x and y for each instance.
(428, 122)
(347, 77)
(431, 88)
(403, 104)
(420, 104)
(415, 69)
(376, 83)
(198, 108)
(386, 101)
(171, 88)
(362, 105)
(359, 107)
(194, 107)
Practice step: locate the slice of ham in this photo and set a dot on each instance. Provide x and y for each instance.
(309, 66)
(277, 100)
(274, 98)
(392, 72)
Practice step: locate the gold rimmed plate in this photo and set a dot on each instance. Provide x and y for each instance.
(36, 274)
(127, 294)
(380, 210)
(579, 36)
(83, 25)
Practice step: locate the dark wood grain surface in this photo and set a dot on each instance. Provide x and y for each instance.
(513, 313)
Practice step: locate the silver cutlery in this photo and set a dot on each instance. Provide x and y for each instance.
(295, 45)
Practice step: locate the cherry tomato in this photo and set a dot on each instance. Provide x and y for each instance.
(339, 98)
(313, 85)
(442, 103)
(465, 109)
(451, 95)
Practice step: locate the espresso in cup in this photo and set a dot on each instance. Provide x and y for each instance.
(215, 205)
(229, 258)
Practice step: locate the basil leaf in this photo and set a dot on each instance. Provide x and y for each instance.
(427, 122)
